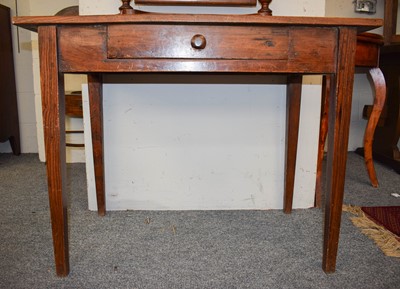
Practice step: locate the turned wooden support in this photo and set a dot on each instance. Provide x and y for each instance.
(265, 8)
(126, 7)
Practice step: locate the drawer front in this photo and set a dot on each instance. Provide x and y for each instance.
(197, 42)
(154, 48)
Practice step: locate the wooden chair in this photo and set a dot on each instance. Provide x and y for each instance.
(385, 148)
(367, 55)
(73, 108)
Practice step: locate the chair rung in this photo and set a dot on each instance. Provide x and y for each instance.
(77, 145)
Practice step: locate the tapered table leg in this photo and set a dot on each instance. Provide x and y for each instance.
(293, 100)
(338, 136)
(96, 119)
(53, 107)
(323, 132)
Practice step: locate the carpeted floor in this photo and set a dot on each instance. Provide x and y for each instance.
(184, 249)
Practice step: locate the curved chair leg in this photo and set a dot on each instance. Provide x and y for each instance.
(323, 131)
(379, 86)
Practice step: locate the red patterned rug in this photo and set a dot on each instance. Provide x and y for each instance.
(381, 224)
(388, 217)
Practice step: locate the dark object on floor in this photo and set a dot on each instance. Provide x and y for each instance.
(9, 123)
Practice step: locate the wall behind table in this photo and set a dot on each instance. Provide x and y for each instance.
(199, 145)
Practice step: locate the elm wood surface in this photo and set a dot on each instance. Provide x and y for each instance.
(9, 123)
(73, 100)
(367, 55)
(316, 45)
(338, 131)
(160, 54)
(145, 41)
(33, 22)
(293, 101)
(53, 110)
(323, 132)
(95, 87)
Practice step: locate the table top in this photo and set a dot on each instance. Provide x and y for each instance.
(32, 22)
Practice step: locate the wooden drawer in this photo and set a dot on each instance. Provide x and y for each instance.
(165, 48)
(197, 42)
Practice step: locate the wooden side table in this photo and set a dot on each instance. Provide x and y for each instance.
(229, 44)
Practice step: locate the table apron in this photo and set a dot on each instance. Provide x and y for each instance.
(168, 48)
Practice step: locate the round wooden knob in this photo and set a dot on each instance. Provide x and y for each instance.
(198, 41)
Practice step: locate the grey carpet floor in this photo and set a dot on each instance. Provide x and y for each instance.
(184, 249)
